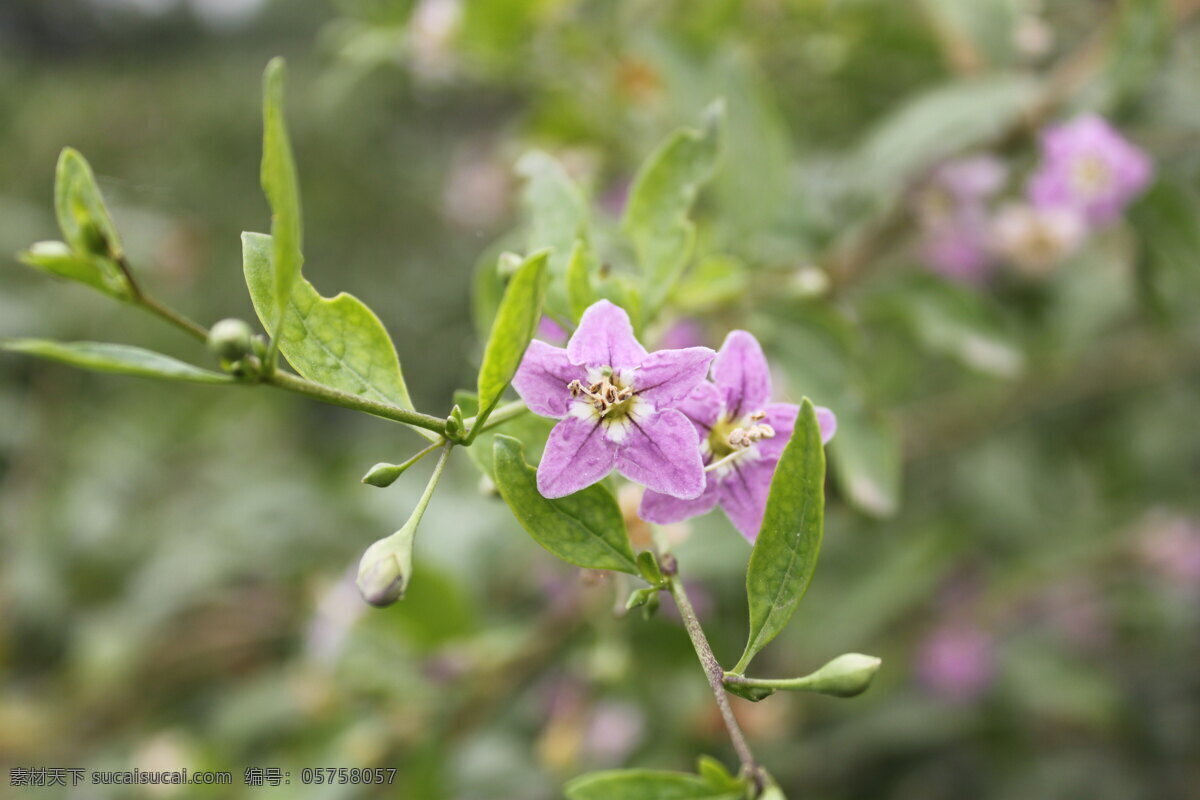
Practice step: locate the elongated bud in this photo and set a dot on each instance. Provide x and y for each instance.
(230, 339)
(384, 474)
(385, 569)
(845, 676)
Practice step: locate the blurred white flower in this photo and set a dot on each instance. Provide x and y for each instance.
(1035, 240)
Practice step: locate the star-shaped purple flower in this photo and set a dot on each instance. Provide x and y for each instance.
(1089, 167)
(617, 406)
(742, 434)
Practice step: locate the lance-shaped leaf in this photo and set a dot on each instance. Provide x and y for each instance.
(656, 218)
(529, 428)
(585, 528)
(86, 226)
(337, 341)
(118, 358)
(785, 553)
(644, 784)
(581, 293)
(515, 324)
(557, 214)
(867, 459)
(280, 185)
(82, 216)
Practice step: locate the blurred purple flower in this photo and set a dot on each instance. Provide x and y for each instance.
(685, 332)
(617, 406)
(613, 732)
(971, 179)
(952, 216)
(742, 434)
(1089, 167)
(957, 661)
(957, 249)
(551, 332)
(1172, 549)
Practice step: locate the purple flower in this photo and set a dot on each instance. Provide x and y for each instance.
(617, 406)
(551, 332)
(1087, 166)
(957, 661)
(952, 213)
(742, 434)
(957, 248)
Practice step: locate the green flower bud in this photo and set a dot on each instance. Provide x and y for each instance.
(508, 263)
(230, 339)
(385, 569)
(456, 426)
(845, 676)
(384, 474)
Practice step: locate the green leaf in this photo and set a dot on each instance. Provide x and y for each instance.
(280, 185)
(557, 216)
(530, 429)
(785, 553)
(515, 324)
(585, 528)
(644, 784)
(581, 293)
(956, 321)
(939, 124)
(59, 259)
(337, 342)
(118, 358)
(656, 218)
(79, 206)
(867, 460)
(716, 774)
(1167, 221)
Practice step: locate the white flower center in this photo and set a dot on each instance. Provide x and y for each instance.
(608, 398)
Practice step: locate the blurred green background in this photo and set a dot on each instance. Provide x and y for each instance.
(1014, 515)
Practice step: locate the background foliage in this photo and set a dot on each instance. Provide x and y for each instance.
(1013, 508)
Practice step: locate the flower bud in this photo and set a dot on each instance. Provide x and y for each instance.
(845, 676)
(385, 569)
(230, 339)
(508, 263)
(384, 474)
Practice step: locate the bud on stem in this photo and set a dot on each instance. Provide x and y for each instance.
(845, 676)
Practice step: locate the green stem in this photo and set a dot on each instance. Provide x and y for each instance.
(786, 684)
(712, 667)
(499, 416)
(194, 329)
(427, 495)
(336, 397)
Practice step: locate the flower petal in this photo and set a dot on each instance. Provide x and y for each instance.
(577, 455)
(662, 453)
(542, 379)
(703, 406)
(744, 494)
(605, 338)
(667, 376)
(740, 370)
(782, 417)
(663, 509)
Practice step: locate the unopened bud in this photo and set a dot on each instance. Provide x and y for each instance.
(845, 676)
(456, 426)
(508, 264)
(385, 569)
(384, 474)
(230, 339)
